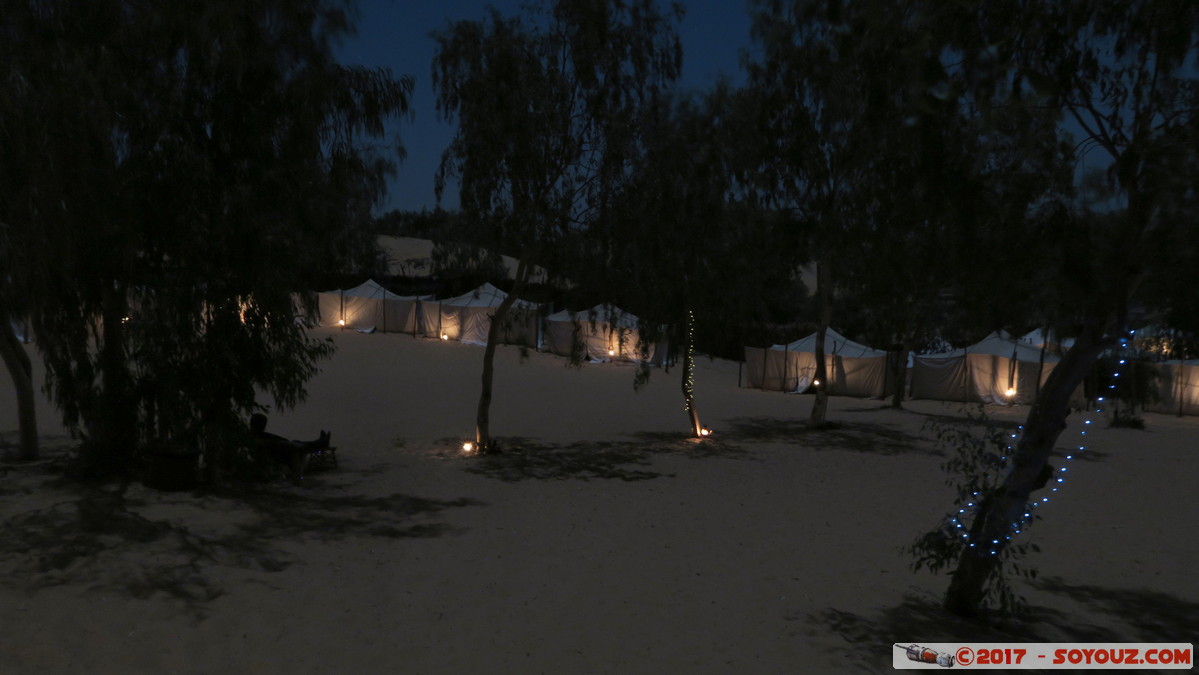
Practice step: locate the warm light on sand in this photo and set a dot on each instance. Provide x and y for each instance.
(468, 447)
(1010, 393)
(341, 323)
(444, 336)
(705, 432)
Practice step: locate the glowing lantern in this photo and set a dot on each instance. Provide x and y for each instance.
(705, 431)
(341, 323)
(467, 447)
(1009, 393)
(444, 336)
(815, 383)
(611, 352)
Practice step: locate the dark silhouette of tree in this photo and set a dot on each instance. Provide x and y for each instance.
(546, 106)
(683, 247)
(835, 122)
(1119, 72)
(186, 168)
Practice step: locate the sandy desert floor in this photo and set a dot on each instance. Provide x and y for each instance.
(606, 542)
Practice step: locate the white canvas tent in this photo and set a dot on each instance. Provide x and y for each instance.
(852, 369)
(368, 307)
(1038, 338)
(1178, 387)
(983, 372)
(468, 318)
(605, 333)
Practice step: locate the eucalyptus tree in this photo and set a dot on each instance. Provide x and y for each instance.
(547, 106)
(683, 247)
(186, 168)
(1123, 75)
(837, 84)
(956, 183)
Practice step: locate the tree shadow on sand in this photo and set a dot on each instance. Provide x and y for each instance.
(139, 542)
(1107, 615)
(864, 437)
(1150, 616)
(524, 459)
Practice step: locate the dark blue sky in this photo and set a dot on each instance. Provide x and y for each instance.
(397, 34)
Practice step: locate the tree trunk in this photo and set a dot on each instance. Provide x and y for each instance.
(901, 376)
(1003, 510)
(483, 441)
(112, 429)
(21, 370)
(819, 414)
(689, 378)
(1041, 363)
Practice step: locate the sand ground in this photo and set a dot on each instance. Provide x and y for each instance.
(610, 543)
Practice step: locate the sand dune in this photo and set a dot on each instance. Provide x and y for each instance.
(606, 542)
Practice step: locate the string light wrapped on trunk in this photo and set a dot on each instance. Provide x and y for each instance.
(1054, 477)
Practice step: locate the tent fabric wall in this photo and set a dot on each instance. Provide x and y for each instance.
(863, 377)
(983, 372)
(1178, 387)
(560, 334)
(765, 369)
(368, 307)
(942, 378)
(603, 333)
(468, 318)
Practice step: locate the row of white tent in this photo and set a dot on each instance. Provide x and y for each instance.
(998, 369)
(603, 333)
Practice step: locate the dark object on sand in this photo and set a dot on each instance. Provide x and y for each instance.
(295, 456)
(172, 468)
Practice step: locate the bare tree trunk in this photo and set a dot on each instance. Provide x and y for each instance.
(21, 370)
(819, 414)
(1003, 509)
(689, 378)
(901, 375)
(112, 425)
(483, 440)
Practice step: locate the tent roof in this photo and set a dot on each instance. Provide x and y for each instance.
(999, 343)
(603, 313)
(485, 296)
(834, 343)
(1002, 344)
(372, 289)
(1038, 339)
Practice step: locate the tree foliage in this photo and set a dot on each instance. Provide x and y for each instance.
(683, 248)
(171, 175)
(1122, 73)
(546, 105)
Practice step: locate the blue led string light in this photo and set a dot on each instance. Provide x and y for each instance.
(1058, 480)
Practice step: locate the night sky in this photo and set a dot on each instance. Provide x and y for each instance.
(397, 34)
